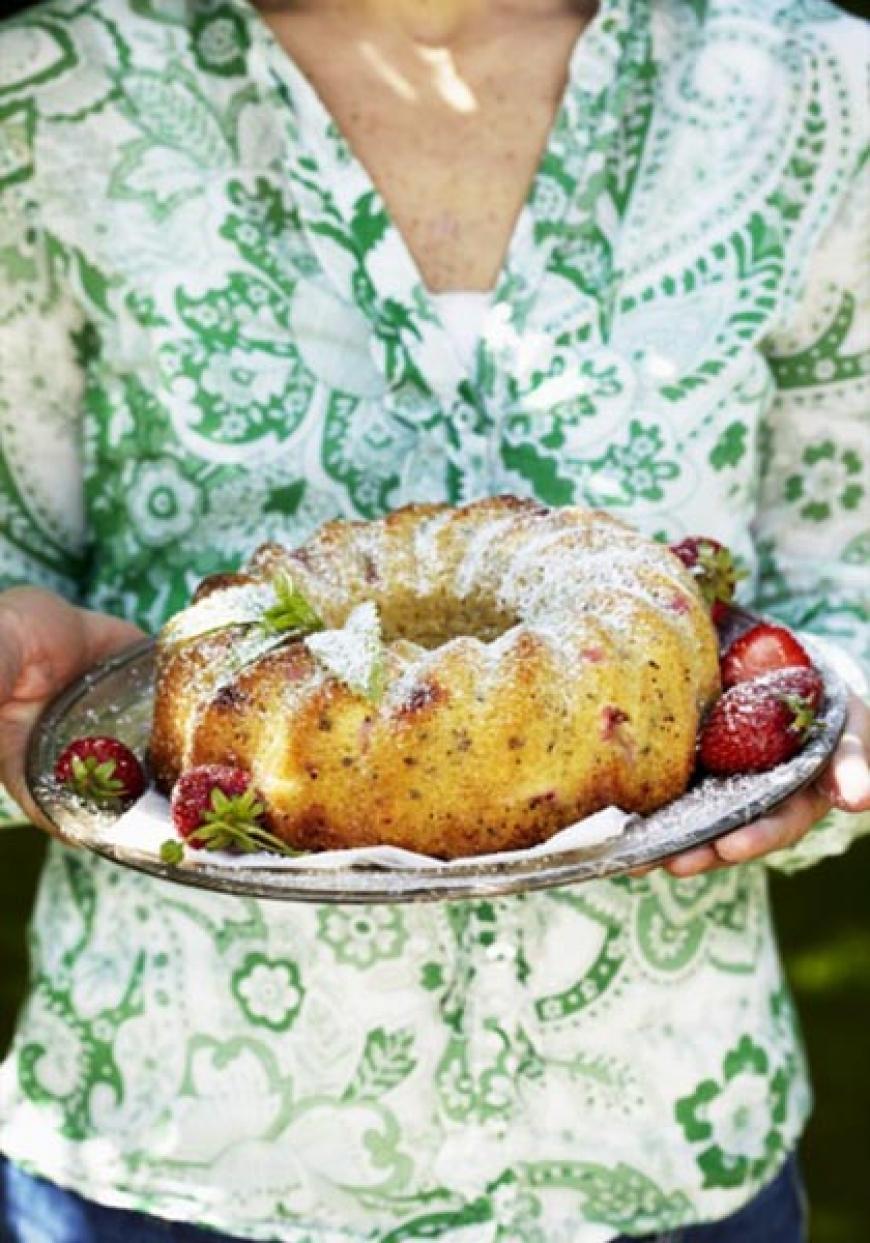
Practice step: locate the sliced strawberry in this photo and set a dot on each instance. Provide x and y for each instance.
(101, 770)
(756, 725)
(215, 807)
(713, 568)
(761, 650)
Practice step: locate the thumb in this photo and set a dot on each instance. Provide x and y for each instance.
(16, 724)
(846, 780)
(106, 635)
(12, 657)
(45, 643)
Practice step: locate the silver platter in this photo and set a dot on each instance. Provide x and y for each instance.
(116, 698)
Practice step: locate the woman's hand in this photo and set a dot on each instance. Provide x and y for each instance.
(845, 783)
(45, 643)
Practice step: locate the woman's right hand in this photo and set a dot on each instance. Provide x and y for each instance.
(45, 643)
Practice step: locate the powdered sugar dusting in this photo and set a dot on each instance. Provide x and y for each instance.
(117, 698)
(238, 604)
(424, 540)
(482, 608)
(544, 569)
(354, 653)
(476, 568)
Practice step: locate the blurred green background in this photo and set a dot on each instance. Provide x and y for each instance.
(824, 925)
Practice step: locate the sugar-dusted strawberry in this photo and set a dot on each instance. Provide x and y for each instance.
(101, 770)
(757, 725)
(713, 568)
(804, 682)
(760, 650)
(193, 791)
(216, 807)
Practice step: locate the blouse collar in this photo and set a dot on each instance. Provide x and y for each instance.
(330, 184)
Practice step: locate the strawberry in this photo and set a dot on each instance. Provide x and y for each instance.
(761, 650)
(712, 566)
(215, 807)
(101, 770)
(757, 725)
(804, 682)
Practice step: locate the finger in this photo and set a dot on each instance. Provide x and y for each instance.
(11, 656)
(643, 870)
(46, 642)
(694, 862)
(107, 635)
(846, 780)
(17, 722)
(39, 635)
(782, 828)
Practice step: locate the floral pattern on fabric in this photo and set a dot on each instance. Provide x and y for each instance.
(737, 1120)
(269, 993)
(240, 349)
(362, 937)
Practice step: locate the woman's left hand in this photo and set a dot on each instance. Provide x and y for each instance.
(845, 783)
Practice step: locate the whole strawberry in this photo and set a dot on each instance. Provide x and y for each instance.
(712, 566)
(216, 807)
(761, 650)
(756, 725)
(101, 770)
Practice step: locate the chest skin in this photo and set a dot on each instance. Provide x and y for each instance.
(451, 135)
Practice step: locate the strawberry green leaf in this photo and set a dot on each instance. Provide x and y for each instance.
(290, 611)
(95, 781)
(803, 715)
(171, 851)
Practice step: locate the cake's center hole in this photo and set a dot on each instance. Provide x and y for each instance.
(436, 618)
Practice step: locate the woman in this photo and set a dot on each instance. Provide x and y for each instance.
(617, 265)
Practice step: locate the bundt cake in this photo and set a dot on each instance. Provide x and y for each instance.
(450, 680)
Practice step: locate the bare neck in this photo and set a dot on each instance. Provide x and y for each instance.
(433, 22)
(448, 121)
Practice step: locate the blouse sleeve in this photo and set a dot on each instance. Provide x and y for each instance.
(813, 520)
(42, 340)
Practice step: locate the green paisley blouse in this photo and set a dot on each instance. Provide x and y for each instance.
(212, 334)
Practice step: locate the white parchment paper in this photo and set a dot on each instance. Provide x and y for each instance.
(147, 824)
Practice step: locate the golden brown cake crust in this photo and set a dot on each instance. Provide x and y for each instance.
(539, 665)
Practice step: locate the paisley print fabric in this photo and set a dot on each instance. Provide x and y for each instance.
(212, 334)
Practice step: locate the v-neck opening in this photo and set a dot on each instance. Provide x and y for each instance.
(309, 104)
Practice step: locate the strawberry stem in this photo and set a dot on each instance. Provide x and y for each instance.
(233, 823)
(229, 836)
(171, 851)
(717, 573)
(802, 713)
(291, 610)
(95, 780)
